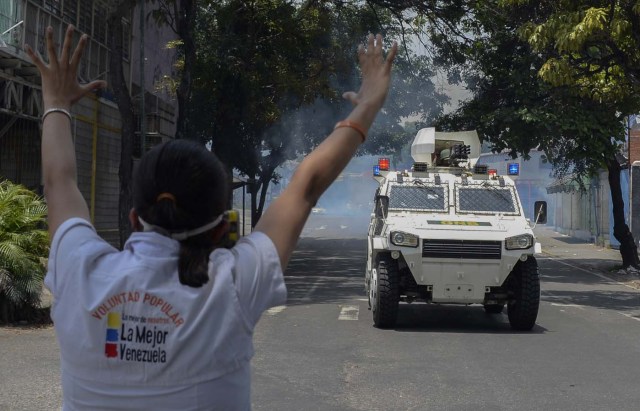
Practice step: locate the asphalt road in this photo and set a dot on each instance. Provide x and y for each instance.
(321, 351)
(29, 369)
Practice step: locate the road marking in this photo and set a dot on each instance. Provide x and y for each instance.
(276, 310)
(568, 305)
(349, 312)
(633, 317)
(604, 277)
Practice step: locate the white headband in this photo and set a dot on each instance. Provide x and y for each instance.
(183, 235)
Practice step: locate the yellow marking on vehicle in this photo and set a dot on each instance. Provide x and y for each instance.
(465, 223)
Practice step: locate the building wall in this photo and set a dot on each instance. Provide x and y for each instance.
(584, 215)
(634, 144)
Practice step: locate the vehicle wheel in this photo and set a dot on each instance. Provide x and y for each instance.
(524, 286)
(493, 308)
(384, 293)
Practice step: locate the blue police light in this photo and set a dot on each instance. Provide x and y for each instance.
(376, 170)
(513, 169)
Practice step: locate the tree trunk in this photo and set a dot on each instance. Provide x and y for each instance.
(621, 232)
(230, 185)
(264, 186)
(255, 187)
(185, 23)
(125, 107)
(265, 178)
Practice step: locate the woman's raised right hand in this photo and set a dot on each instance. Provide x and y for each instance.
(376, 73)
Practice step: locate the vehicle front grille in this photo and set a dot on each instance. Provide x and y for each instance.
(468, 249)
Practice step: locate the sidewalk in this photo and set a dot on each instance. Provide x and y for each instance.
(605, 261)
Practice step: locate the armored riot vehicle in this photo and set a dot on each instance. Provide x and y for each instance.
(449, 231)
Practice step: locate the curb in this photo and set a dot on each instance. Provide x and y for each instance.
(626, 279)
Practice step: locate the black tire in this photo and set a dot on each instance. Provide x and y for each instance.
(493, 308)
(386, 294)
(524, 287)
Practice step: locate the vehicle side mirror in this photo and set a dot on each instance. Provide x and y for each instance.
(540, 209)
(382, 204)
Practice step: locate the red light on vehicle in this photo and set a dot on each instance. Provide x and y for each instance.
(384, 164)
(492, 172)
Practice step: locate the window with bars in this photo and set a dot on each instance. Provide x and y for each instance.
(420, 197)
(103, 64)
(53, 6)
(8, 14)
(100, 23)
(70, 11)
(126, 39)
(85, 16)
(42, 23)
(486, 199)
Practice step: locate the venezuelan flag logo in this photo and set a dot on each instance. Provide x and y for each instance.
(114, 321)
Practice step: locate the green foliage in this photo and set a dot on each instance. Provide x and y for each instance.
(515, 109)
(24, 245)
(590, 46)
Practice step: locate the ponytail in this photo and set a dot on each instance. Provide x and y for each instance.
(193, 262)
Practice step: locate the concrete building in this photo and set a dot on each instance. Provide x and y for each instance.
(96, 123)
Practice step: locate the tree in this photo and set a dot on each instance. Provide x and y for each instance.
(269, 75)
(24, 247)
(518, 103)
(257, 61)
(591, 48)
(118, 11)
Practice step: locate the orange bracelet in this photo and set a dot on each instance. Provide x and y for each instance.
(352, 124)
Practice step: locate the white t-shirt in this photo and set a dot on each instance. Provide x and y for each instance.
(133, 338)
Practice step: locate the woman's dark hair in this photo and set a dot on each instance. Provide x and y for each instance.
(197, 180)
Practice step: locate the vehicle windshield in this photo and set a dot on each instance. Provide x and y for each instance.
(419, 197)
(486, 199)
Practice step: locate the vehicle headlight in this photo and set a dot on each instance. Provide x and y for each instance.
(404, 239)
(519, 242)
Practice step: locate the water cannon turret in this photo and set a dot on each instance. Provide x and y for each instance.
(424, 145)
(445, 149)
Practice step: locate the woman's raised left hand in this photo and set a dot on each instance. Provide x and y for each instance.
(60, 86)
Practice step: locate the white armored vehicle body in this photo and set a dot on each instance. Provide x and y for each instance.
(448, 232)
